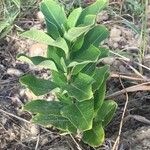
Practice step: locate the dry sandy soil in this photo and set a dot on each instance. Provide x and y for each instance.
(17, 133)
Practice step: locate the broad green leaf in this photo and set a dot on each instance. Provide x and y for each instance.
(43, 107)
(42, 37)
(76, 69)
(54, 14)
(77, 44)
(104, 52)
(63, 64)
(100, 75)
(93, 9)
(59, 78)
(89, 19)
(95, 36)
(80, 114)
(36, 85)
(106, 112)
(89, 69)
(73, 17)
(38, 61)
(83, 56)
(64, 98)
(57, 121)
(80, 88)
(48, 113)
(94, 137)
(52, 30)
(52, 54)
(99, 97)
(75, 32)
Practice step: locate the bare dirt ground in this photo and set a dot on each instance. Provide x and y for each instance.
(17, 133)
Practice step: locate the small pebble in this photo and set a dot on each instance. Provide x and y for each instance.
(34, 130)
(13, 71)
(40, 16)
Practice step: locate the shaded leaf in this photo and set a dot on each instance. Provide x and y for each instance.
(58, 121)
(89, 69)
(83, 56)
(64, 98)
(36, 85)
(100, 75)
(48, 113)
(80, 114)
(99, 97)
(94, 137)
(43, 107)
(81, 88)
(106, 112)
(104, 52)
(95, 36)
(52, 30)
(76, 69)
(52, 54)
(59, 78)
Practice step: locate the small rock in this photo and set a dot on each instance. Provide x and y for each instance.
(34, 130)
(37, 50)
(108, 60)
(1, 67)
(13, 71)
(123, 69)
(16, 101)
(22, 92)
(30, 95)
(44, 141)
(103, 16)
(115, 45)
(115, 33)
(40, 16)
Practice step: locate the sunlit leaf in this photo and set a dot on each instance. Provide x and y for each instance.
(36, 85)
(42, 37)
(80, 114)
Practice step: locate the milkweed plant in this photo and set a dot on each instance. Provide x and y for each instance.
(74, 48)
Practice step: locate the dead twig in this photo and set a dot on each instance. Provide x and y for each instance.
(116, 144)
(135, 88)
(117, 75)
(138, 118)
(37, 142)
(78, 146)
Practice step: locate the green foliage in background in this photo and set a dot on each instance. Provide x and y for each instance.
(9, 11)
(79, 85)
(134, 7)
